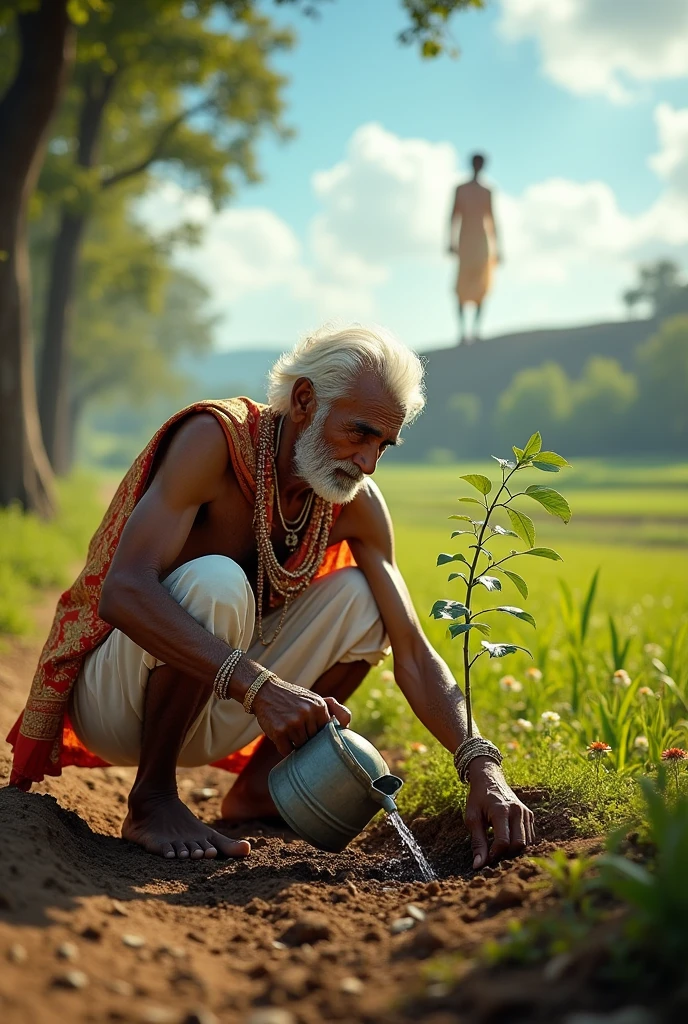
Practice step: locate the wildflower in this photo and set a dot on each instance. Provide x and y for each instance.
(645, 692)
(598, 749)
(550, 718)
(674, 754)
(419, 748)
(522, 725)
(513, 746)
(653, 650)
(534, 675)
(510, 685)
(376, 694)
(642, 744)
(387, 676)
(621, 677)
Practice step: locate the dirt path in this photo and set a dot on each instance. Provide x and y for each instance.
(93, 929)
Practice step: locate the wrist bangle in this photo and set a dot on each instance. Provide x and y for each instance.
(253, 689)
(224, 674)
(474, 746)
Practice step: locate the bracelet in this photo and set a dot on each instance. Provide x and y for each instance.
(474, 746)
(224, 674)
(253, 689)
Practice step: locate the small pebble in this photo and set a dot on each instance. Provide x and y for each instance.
(68, 951)
(17, 954)
(120, 988)
(72, 979)
(402, 924)
(276, 944)
(204, 793)
(351, 986)
(159, 1015)
(438, 990)
(415, 912)
(133, 941)
(119, 909)
(271, 1015)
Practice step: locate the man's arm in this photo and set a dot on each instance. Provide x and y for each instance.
(454, 220)
(498, 253)
(426, 681)
(134, 600)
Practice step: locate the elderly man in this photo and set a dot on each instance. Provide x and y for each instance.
(242, 583)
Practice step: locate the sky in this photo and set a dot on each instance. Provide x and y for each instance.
(581, 107)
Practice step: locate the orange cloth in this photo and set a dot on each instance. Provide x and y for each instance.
(42, 737)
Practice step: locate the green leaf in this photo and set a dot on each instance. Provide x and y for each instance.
(522, 524)
(463, 627)
(501, 650)
(518, 452)
(473, 501)
(464, 519)
(543, 553)
(457, 576)
(552, 459)
(504, 463)
(460, 627)
(483, 550)
(489, 582)
(517, 581)
(518, 612)
(460, 533)
(501, 532)
(448, 610)
(551, 500)
(480, 482)
(534, 445)
(444, 558)
(544, 466)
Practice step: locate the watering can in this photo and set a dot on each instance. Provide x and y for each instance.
(328, 790)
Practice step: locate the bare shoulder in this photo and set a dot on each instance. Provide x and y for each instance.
(366, 518)
(196, 460)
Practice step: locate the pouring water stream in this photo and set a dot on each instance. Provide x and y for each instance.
(407, 838)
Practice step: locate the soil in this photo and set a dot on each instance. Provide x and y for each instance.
(94, 929)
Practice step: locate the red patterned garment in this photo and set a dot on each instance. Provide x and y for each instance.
(42, 737)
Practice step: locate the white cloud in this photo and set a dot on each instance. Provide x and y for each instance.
(383, 210)
(603, 47)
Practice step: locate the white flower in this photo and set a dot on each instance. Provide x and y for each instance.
(387, 676)
(641, 743)
(522, 725)
(550, 718)
(510, 685)
(621, 677)
(645, 692)
(376, 694)
(534, 674)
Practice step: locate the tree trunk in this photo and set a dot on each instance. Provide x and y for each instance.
(54, 373)
(46, 52)
(53, 398)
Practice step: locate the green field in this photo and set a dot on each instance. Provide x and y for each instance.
(630, 522)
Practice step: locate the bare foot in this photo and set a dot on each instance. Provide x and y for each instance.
(244, 804)
(163, 825)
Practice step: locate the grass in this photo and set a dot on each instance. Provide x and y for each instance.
(638, 546)
(35, 555)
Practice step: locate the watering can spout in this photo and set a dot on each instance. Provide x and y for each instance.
(384, 790)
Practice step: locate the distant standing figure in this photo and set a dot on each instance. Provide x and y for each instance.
(477, 244)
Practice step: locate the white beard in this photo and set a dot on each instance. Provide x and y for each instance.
(314, 463)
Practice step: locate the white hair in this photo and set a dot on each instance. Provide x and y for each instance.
(332, 358)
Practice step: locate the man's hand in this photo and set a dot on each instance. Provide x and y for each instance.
(492, 802)
(289, 715)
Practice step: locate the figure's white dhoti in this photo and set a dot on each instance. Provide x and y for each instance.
(335, 620)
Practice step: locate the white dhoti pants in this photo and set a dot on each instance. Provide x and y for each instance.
(335, 620)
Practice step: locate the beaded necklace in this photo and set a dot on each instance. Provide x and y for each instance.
(285, 582)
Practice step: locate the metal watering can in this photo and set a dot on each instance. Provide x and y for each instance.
(328, 790)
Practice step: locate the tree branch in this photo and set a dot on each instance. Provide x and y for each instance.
(157, 148)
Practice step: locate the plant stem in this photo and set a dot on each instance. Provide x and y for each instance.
(469, 593)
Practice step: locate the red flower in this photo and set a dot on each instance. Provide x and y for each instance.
(598, 749)
(674, 754)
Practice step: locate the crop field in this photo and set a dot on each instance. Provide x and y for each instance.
(617, 603)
